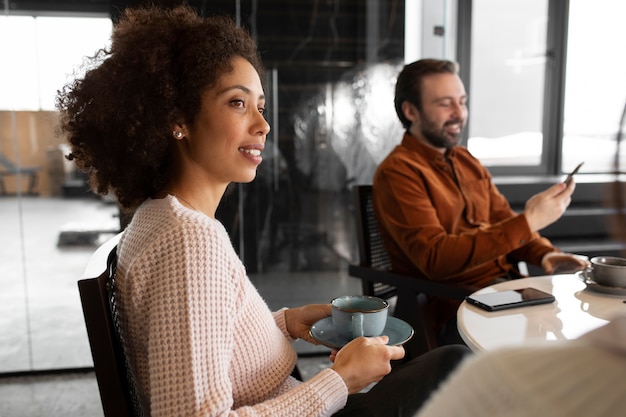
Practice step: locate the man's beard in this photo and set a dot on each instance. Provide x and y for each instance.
(438, 137)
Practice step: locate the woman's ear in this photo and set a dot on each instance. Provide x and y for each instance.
(179, 131)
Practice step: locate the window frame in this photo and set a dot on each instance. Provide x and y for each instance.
(554, 86)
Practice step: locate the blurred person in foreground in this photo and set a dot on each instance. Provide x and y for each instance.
(167, 119)
(441, 216)
(582, 377)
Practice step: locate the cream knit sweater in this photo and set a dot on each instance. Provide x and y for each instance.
(200, 339)
(585, 378)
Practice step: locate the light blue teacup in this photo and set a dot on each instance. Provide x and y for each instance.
(359, 315)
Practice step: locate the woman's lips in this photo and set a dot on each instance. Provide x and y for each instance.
(252, 153)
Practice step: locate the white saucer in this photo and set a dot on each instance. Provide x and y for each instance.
(603, 289)
(398, 331)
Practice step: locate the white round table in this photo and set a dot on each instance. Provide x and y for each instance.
(577, 310)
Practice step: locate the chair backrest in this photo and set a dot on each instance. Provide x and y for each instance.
(115, 383)
(372, 252)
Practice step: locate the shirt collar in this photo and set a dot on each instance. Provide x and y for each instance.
(412, 143)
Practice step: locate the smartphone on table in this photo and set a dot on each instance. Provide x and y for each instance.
(502, 300)
(569, 177)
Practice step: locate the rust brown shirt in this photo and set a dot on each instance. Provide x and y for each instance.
(443, 219)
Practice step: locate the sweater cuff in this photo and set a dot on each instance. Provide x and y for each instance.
(331, 389)
(279, 318)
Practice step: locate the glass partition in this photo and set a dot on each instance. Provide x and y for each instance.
(49, 222)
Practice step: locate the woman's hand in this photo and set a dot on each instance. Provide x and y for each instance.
(365, 360)
(300, 319)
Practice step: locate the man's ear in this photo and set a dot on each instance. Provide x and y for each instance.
(410, 112)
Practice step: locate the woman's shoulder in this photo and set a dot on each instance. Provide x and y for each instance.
(169, 211)
(166, 224)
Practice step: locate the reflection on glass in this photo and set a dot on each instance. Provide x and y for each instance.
(357, 117)
(507, 81)
(595, 86)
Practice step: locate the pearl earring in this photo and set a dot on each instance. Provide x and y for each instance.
(178, 135)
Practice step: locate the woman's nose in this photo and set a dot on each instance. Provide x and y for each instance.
(261, 126)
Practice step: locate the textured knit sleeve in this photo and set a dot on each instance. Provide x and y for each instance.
(193, 304)
(279, 317)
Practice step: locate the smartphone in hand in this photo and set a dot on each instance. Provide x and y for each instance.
(571, 174)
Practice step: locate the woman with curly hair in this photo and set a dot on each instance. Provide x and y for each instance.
(167, 119)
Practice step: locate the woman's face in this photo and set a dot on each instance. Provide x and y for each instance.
(228, 136)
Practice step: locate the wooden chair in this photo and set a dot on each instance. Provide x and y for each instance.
(10, 169)
(378, 280)
(115, 382)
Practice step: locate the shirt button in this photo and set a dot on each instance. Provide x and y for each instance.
(522, 241)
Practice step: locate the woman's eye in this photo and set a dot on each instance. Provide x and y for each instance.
(237, 103)
(262, 110)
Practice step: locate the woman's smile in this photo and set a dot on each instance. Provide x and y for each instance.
(253, 153)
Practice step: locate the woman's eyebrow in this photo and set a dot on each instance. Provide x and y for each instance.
(239, 87)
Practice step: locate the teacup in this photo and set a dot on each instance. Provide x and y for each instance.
(607, 270)
(359, 315)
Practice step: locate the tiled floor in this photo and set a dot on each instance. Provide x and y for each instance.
(69, 395)
(40, 298)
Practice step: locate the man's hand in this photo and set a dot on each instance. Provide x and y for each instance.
(548, 206)
(562, 263)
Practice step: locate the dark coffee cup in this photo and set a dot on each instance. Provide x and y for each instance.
(607, 270)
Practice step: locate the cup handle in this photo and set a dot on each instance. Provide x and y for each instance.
(357, 325)
(587, 273)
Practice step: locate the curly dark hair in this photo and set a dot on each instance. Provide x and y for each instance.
(409, 83)
(118, 118)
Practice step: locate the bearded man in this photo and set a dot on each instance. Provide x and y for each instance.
(441, 217)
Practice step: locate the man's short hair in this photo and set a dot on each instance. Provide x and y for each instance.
(409, 83)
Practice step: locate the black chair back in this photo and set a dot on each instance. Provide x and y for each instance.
(115, 381)
(372, 252)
